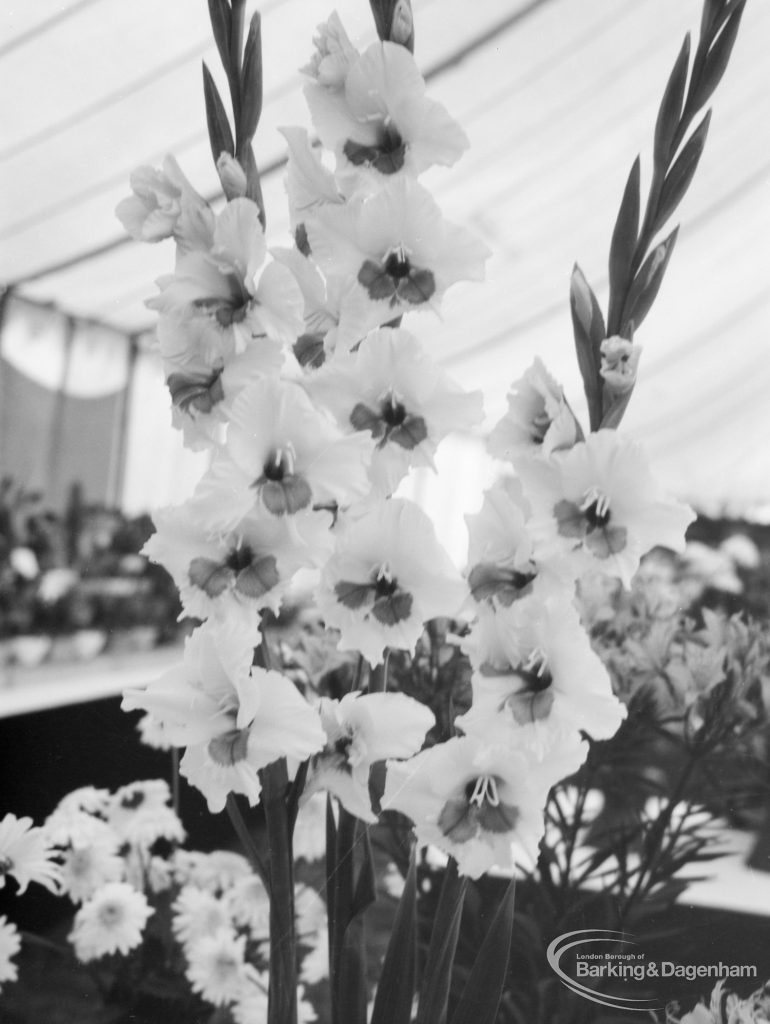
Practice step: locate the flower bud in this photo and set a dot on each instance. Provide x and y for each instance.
(232, 176)
(620, 358)
(581, 299)
(402, 25)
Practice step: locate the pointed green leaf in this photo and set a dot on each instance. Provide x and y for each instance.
(647, 283)
(623, 244)
(351, 986)
(710, 11)
(350, 980)
(220, 136)
(251, 83)
(589, 330)
(393, 1002)
(340, 907)
(671, 106)
(366, 884)
(723, 12)
(221, 25)
(680, 176)
(295, 792)
(483, 991)
(441, 951)
(717, 58)
(394, 21)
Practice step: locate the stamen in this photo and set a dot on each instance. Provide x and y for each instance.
(397, 262)
(281, 463)
(384, 574)
(485, 791)
(536, 663)
(598, 502)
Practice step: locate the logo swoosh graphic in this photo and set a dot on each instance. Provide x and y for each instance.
(590, 936)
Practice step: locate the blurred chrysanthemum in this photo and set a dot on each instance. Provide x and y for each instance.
(26, 854)
(111, 921)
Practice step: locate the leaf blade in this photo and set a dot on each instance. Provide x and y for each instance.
(443, 943)
(221, 19)
(393, 1001)
(483, 991)
(251, 83)
(220, 135)
(647, 282)
(671, 106)
(718, 57)
(679, 178)
(623, 244)
(589, 332)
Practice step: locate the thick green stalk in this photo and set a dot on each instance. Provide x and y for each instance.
(282, 995)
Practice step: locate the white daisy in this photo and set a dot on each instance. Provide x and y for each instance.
(217, 967)
(215, 871)
(140, 814)
(86, 868)
(10, 944)
(111, 921)
(197, 913)
(249, 906)
(26, 854)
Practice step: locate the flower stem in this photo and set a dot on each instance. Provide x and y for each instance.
(282, 997)
(247, 840)
(175, 780)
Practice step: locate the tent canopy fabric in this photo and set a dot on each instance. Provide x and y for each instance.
(557, 96)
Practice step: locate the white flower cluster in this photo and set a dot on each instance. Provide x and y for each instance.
(292, 368)
(578, 505)
(220, 918)
(287, 367)
(117, 856)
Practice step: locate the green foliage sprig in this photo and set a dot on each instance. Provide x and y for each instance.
(636, 265)
(243, 67)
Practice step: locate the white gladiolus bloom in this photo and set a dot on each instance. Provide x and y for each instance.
(538, 420)
(388, 576)
(395, 252)
(362, 729)
(379, 121)
(598, 507)
(480, 802)
(391, 390)
(284, 460)
(233, 719)
(536, 670)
